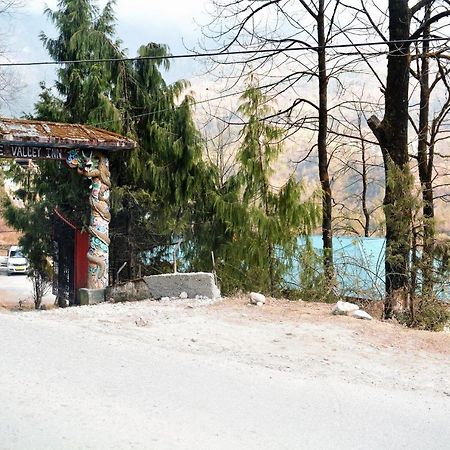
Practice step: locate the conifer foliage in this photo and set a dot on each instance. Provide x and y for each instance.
(264, 221)
(154, 186)
(163, 192)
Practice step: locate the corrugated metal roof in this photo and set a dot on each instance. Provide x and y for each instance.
(62, 134)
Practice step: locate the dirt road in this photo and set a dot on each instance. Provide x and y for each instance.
(186, 375)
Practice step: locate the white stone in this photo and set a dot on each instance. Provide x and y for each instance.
(140, 322)
(256, 297)
(360, 314)
(183, 295)
(259, 304)
(165, 299)
(343, 308)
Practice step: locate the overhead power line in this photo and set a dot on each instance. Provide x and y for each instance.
(220, 54)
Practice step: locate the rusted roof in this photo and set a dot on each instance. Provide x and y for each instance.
(62, 135)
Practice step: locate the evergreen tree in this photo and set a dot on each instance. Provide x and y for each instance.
(155, 185)
(262, 221)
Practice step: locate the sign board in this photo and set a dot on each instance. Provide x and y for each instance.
(24, 150)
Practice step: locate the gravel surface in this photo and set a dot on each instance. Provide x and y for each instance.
(196, 374)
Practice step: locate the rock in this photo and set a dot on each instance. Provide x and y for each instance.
(183, 295)
(165, 299)
(343, 308)
(256, 297)
(140, 322)
(360, 314)
(259, 304)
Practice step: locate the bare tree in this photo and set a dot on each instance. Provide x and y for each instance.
(430, 68)
(41, 286)
(290, 41)
(9, 83)
(360, 176)
(392, 135)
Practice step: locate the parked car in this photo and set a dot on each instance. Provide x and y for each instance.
(17, 262)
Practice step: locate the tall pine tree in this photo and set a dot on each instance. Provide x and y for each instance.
(263, 222)
(154, 185)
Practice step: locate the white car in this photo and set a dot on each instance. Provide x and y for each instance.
(17, 262)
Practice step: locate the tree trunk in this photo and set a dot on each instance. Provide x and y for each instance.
(327, 234)
(364, 183)
(392, 135)
(425, 166)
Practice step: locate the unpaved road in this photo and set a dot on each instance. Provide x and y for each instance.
(184, 375)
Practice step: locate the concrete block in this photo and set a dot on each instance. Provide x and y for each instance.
(173, 284)
(128, 291)
(91, 296)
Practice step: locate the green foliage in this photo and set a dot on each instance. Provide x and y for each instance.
(2, 189)
(86, 33)
(431, 314)
(155, 186)
(260, 223)
(163, 192)
(314, 285)
(32, 218)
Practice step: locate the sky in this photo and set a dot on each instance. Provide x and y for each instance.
(173, 22)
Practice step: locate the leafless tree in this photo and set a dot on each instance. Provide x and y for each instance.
(9, 83)
(286, 45)
(392, 135)
(431, 70)
(359, 177)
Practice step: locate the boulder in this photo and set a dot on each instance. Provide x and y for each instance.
(360, 314)
(256, 297)
(344, 308)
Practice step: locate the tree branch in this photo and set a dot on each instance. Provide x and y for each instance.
(427, 23)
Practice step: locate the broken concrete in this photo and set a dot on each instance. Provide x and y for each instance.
(91, 296)
(173, 284)
(128, 291)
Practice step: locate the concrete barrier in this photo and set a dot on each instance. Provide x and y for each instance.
(128, 291)
(173, 284)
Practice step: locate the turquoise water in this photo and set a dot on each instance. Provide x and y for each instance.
(358, 261)
(359, 267)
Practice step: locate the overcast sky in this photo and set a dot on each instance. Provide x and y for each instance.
(172, 22)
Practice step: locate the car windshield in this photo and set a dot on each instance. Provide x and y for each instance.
(16, 254)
